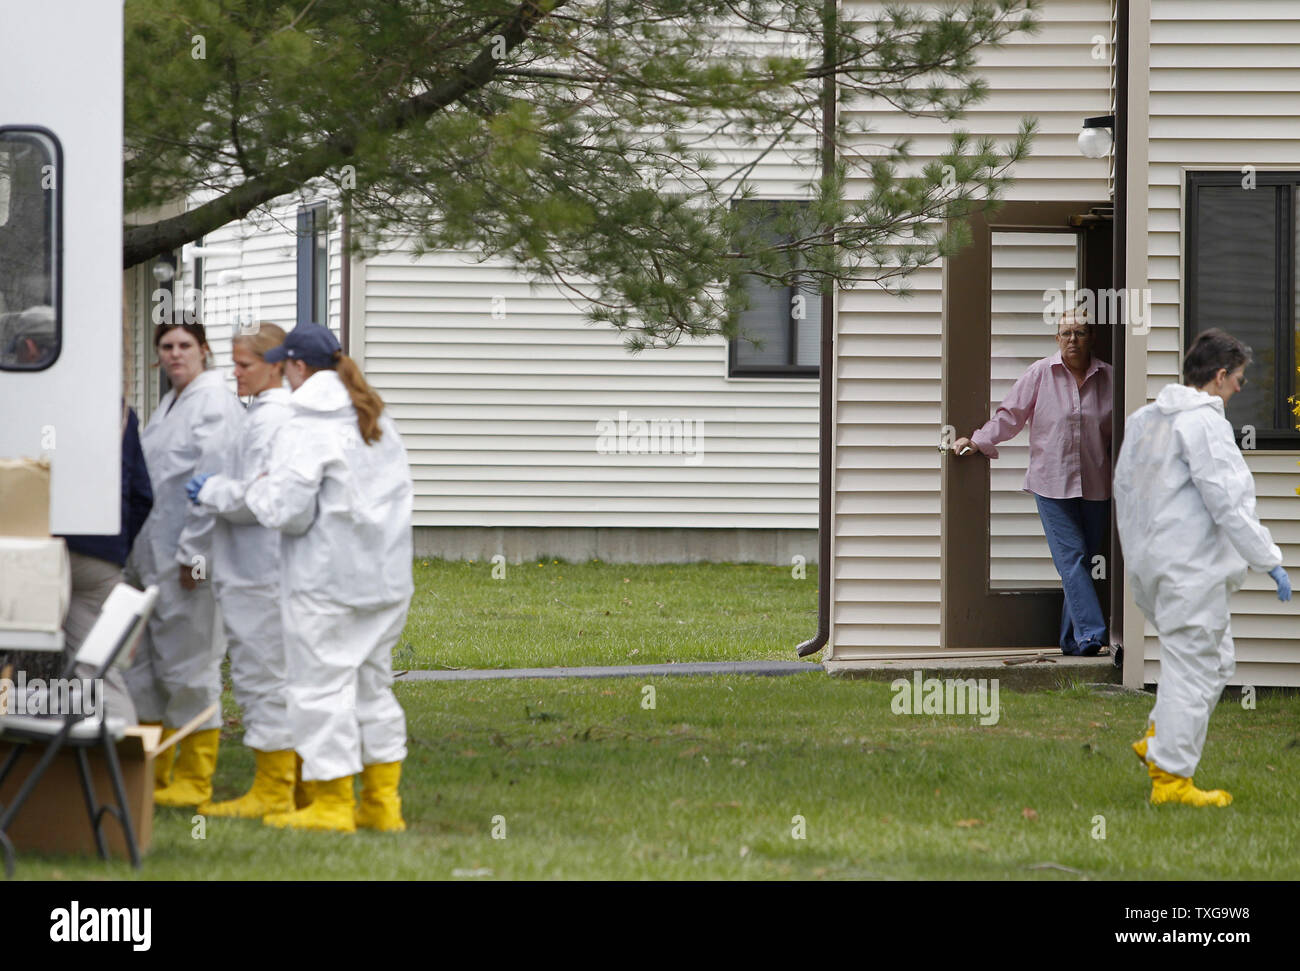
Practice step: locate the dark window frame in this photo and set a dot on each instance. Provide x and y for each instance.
(56, 256)
(312, 285)
(1285, 437)
(790, 369)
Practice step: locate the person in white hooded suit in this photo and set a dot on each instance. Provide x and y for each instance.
(339, 490)
(247, 580)
(1185, 507)
(176, 671)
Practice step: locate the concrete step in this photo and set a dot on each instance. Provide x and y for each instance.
(1027, 672)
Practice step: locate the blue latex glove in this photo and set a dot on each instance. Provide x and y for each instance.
(1283, 583)
(195, 485)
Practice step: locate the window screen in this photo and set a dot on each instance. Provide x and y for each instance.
(1241, 279)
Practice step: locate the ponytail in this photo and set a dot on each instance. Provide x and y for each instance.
(365, 399)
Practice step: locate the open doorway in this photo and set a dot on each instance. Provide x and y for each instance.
(998, 587)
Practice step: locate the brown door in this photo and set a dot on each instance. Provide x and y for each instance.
(997, 587)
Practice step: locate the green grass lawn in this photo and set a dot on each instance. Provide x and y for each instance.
(551, 613)
(589, 784)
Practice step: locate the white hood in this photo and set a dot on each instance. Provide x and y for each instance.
(1179, 397)
(322, 392)
(279, 396)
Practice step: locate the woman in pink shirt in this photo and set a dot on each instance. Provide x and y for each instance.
(1066, 399)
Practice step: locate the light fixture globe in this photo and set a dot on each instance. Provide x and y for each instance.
(1098, 135)
(1095, 142)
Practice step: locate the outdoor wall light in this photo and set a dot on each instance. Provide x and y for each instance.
(164, 270)
(1097, 136)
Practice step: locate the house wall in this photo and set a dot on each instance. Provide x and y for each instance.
(1224, 92)
(139, 373)
(886, 517)
(499, 388)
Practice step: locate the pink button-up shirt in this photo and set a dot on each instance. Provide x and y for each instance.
(1069, 429)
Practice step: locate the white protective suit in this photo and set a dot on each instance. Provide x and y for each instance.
(1185, 505)
(344, 509)
(247, 577)
(176, 671)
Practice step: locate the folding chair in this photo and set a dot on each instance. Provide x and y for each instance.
(116, 631)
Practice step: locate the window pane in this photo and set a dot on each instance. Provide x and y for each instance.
(767, 321)
(1234, 287)
(29, 326)
(777, 315)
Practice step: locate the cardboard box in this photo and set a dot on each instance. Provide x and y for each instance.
(35, 583)
(54, 818)
(24, 497)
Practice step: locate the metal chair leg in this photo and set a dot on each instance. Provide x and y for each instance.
(8, 847)
(119, 792)
(10, 762)
(88, 790)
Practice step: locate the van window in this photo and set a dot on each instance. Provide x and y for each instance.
(30, 328)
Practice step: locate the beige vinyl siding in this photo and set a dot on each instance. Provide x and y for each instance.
(139, 375)
(334, 266)
(885, 588)
(1223, 94)
(500, 413)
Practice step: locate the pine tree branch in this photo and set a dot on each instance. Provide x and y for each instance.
(141, 243)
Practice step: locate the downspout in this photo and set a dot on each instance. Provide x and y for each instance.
(825, 383)
(1119, 277)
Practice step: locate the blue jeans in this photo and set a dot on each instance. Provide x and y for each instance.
(1074, 530)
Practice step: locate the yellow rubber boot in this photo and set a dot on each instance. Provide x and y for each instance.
(381, 806)
(162, 764)
(1176, 788)
(331, 810)
(303, 792)
(192, 776)
(1140, 746)
(272, 790)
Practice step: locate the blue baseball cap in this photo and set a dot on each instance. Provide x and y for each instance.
(312, 344)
